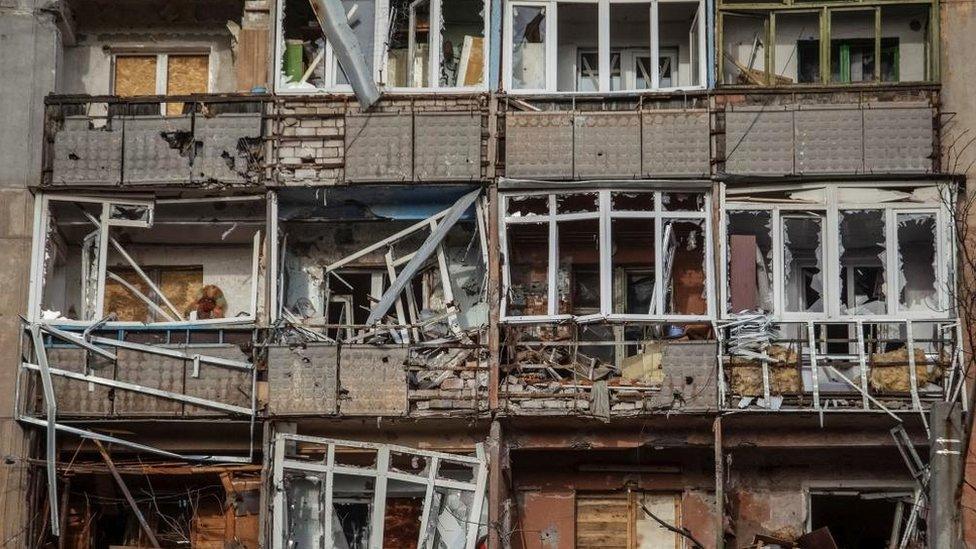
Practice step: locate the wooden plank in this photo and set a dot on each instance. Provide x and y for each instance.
(135, 75)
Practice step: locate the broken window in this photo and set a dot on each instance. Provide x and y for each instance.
(307, 61)
(873, 519)
(648, 45)
(171, 260)
(870, 44)
(862, 262)
(343, 260)
(839, 260)
(388, 501)
(654, 264)
(161, 74)
(803, 263)
(917, 263)
(627, 520)
(432, 43)
(750, 261)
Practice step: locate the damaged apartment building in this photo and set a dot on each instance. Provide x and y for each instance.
(453, 274)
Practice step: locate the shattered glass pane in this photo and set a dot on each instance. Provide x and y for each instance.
(528, 260)
(750, 261)
(683, 202)
(352, 507)
(579, 259)
(528, 47)
(462, 43)
(862, 262)
(577, 203)
(917, 262)
(632, 202)
(448, 522)
(528, 205)
(684, 268)
(632, 248)
(401, 518)
(803, 264)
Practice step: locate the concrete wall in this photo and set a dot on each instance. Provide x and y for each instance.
(30, 42)
(958, 21)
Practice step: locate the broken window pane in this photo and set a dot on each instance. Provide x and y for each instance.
(862, 262)
(71, 261)
(744, 49)
(577, 203)
(462, 43)
(448, 524)
(352, 508)
(307, 60)
(578, 30)
(803, 263)
(632, 245)
(676, 23)
(852, 52)
(905, 43)
(528, 260)
(917, 262)
(632, 201)
(528, 47)
(630, 42)
(408, 56)
(683, 202)
(401, 518)
(578, 276)
(750, 261)
(528, 205)
(797, 47)
(684, 268)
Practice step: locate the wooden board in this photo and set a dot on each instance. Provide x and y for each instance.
(252, 59)
(602, 522)
(121, 301)
(185, 75)
(182, 287)
(472, 64)
(135, 75)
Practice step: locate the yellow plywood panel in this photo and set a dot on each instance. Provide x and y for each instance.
(135, 75)
(473, 60)
(182, 287)
(186, 75)
(121, 301)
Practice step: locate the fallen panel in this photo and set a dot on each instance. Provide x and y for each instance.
(225, 151)
(373, 381)
(676, 143)
(224, 385)
(76, 398)
(898, 139)
(379, 147)
(829, 139)
(607, 144)
(448, 146)
(759, 140)
(84, 156)
(157, 149)
(539, 144)
(302, 380)
(148, 370)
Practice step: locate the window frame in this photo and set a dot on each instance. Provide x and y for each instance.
(42, 217)
(605, 215)
(162, 66)
(769, 10)
(603, 47)
(944, 252)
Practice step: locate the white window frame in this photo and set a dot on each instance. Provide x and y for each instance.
(830, 208)
(603, 39)
(381, 50)
(329, 59)
(605, 215)
(162, 67)
(42, 217)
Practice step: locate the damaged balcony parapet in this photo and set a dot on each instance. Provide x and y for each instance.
(866, 132)
(328, 140)
(859, 366)
(376, 380)
(607, 371)
(99, 141)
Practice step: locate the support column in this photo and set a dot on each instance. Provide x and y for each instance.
(945, 461)
(497, 492)
(719, 485)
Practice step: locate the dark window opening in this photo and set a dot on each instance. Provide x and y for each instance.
(859, 520)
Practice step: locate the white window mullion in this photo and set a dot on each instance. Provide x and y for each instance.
(433, 45)
(778, 269)
(553, 271)
(606, 266)
(702, 46)
(655, 47)
(830, 227)
(552, 17)
(892, 276)
(658, 294)
(162, 62)
(603, 37)
(709, 260)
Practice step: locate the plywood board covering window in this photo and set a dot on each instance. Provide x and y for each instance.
(135, 75)
(618, 521)
(186, 75)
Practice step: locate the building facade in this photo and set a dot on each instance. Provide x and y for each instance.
(458, 273)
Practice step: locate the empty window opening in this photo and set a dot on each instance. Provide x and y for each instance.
(578, 58)
(308, 61)
(868, 520)
(862, 262)
(744, 42)
(803, 261)
(797, 51)
(750, 261)
(917, 262)
(528, 53)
